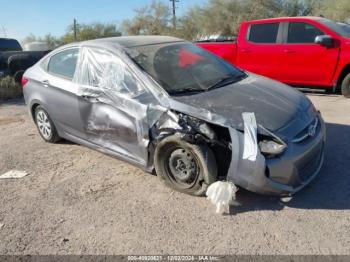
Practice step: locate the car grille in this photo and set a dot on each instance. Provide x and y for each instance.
(308, 169)
(308, 132)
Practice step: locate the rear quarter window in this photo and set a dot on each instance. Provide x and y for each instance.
(63, 64)
(263, 33)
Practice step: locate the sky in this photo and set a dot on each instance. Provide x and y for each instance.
(20, 18)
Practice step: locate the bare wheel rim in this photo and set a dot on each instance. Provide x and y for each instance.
(182, 167)
(44, 125)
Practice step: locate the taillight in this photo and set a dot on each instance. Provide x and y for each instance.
(24, 81)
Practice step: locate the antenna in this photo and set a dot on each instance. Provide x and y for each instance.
(174, 11)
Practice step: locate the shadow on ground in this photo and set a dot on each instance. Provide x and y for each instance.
(16, 101)
(330, 190)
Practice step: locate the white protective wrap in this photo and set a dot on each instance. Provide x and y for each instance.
(250, 150)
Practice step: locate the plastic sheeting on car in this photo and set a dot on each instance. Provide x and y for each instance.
(118, 108)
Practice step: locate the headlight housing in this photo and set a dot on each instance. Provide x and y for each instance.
(271, 147)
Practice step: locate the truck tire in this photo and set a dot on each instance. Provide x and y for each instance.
(18, 76)
(19, 62)
(185, 167)
(345, 86)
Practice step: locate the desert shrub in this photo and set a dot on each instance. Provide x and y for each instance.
(9, 88)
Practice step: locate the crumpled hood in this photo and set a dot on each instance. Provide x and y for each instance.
(275, 105)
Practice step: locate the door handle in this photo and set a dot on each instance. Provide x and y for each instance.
(46, 83)
(289, 51)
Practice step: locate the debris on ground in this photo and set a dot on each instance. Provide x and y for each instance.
(222, 194)
(2, 225)
(14, 174)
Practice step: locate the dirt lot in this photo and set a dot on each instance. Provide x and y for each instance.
(79, 201)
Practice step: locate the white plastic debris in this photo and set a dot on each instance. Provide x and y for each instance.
(250, 136)
(2, 225)
(221, 194)
(13, 174)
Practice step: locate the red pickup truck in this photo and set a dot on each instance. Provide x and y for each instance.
(300, 51)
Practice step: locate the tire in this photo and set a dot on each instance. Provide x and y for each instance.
(46, 127)
(185, 167)
(18, 76)
(19, 62)
(345, 86)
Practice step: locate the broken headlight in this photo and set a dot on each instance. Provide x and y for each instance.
(271, 147)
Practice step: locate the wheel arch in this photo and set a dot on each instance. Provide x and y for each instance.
(345, 71)
(32, 109)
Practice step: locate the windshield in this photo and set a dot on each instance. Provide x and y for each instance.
(9, 45)
(340, 28)
(184, 68)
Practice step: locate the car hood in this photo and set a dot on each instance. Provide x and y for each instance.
(275, 105)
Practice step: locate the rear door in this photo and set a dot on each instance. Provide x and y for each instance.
(60, 93)
(259, 51)
(303, 61)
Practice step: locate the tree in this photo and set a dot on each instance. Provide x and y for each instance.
(90, 31)
(335, 10)
(51, 41)
(225, 16)
(151, 19)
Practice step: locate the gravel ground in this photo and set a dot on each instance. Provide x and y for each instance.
(79, 201)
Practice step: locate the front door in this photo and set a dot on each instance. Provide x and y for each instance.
(303, 61)
(113, 117)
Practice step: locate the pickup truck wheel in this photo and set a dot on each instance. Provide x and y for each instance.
(46, 127)
(345, 86)
(185, 167)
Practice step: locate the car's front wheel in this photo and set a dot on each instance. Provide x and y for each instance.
(185, 167)
(345, 86)
(45, 126)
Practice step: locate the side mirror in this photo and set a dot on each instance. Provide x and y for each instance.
(324, 40)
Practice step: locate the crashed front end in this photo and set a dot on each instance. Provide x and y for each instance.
(252, 157)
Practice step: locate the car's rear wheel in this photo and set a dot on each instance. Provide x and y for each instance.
(345, 86)
(45, 125)
(185, 167)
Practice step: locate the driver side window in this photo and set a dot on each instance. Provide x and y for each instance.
(104, 70)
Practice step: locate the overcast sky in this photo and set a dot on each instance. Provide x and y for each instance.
(19, 18)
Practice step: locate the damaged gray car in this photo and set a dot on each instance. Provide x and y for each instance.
(170, 107)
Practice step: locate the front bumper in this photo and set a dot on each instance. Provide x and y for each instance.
(288, 173)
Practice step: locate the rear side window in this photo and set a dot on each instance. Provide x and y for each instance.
(263, 33)
(9, 45)
(299, 32)
(63, 64)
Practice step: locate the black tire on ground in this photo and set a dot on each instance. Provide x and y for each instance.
(18, 76)
(19, 62)
(345, 86)
(185, 167)
(46, 127)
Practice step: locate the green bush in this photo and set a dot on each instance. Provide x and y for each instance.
(9, 88)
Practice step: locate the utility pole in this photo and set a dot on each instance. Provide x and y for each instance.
(174, 11)
(4, 31)
(75, 29)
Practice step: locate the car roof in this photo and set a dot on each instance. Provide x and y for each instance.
(286, 18)
(131, 41)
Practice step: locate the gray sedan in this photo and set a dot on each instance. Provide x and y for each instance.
(172, 108)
